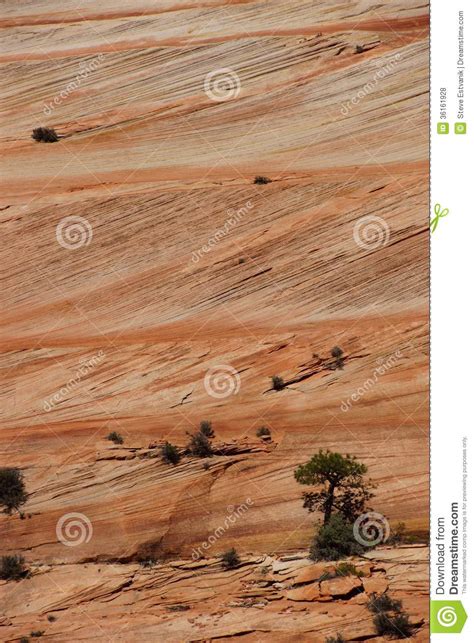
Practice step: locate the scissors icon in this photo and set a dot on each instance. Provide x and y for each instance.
(438, 214)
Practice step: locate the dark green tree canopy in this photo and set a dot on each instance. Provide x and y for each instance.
(12, 489)
(206, 429)
(343, 487)
(200, 445)
(170, 453)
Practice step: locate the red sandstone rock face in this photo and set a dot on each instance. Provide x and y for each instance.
(185, 601)
(157, 168)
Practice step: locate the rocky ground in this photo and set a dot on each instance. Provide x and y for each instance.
(267, 598)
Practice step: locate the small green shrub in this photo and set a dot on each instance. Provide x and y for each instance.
(177, 608)
(206, 429)
(13, 568)
(199, 445)
(230, 559)
(278, 383)
(338, 362)
(263, 431)
(348, 569)
(395, 626)
(334, 541)
(261, 180)
(343, 569)
(389, 617)
(12, 489)
(170, 453)
(44, 135)
(398, 534)
(335, 639)
(383, 603)
(115, 437)
(51, 618)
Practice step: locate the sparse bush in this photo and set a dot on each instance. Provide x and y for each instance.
(36, 634)
(261, 180)
(335, 639)
(24, 639)
(13, 568)
(278, 383)
(383, 603)
(206, 429)
(395, 626)
(12, 489)
(348, 569)
(206, 466)
(359, 49)
(199, 445)
(51, 618)
(170, 453)
(397, 534)
(178, 608)
(338, 362)
(147, 554)
(390, 619)
(334, 540)
(263, 431)
(115, 437)
(230, 559)
(343, 569)
(44, 135)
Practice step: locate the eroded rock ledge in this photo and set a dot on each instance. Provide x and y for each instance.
(266, 598)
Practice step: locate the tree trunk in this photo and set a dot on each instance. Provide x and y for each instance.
(328, 505)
